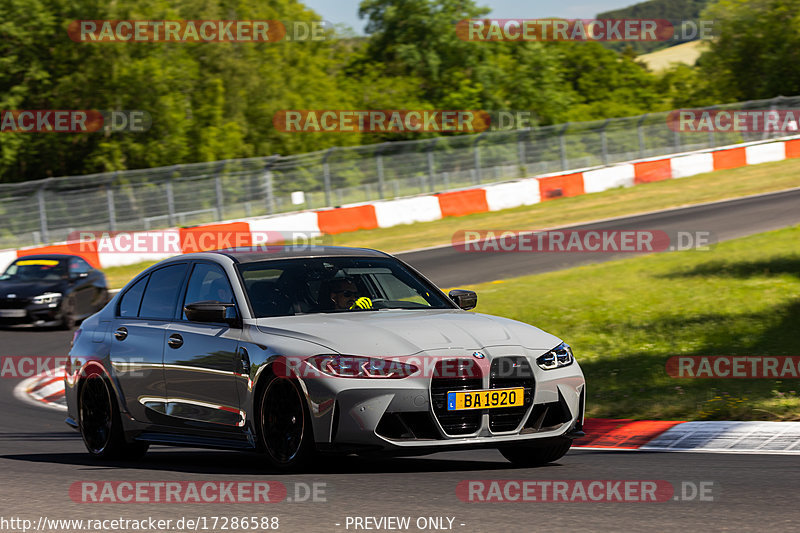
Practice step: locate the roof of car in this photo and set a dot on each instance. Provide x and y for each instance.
(266, 253)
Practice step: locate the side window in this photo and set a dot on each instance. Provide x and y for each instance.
(78, 266)
(161, 293)
(129, 302)
(208, 282)
(395, 289)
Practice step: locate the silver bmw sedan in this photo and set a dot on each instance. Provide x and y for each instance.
(300, 351)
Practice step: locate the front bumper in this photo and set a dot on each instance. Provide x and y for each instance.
(30, 314)
(402, 415)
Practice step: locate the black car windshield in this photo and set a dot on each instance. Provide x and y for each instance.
(335, 284)
(35, 270)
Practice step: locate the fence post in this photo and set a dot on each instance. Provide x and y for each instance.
(604, 141)
(563, 145)
(218, 190)
(772, 113)
(379, 166)
(42, 215)
(640, 133)
(477, 158)
(431, 171)
(712, 139)
(521, 155)
(170, 202)
(112, 215)
(268, 185)
(326, 175)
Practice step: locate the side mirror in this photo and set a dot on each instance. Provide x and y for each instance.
(464, 299)
(209, 311)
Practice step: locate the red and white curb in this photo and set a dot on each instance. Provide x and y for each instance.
(782, 438)
(44, 390)
(707, 436)
(730, 437)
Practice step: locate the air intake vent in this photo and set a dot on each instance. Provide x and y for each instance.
(455, 375)
(548, 416)
(509, 372)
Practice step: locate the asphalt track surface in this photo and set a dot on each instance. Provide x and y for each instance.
(40, 457)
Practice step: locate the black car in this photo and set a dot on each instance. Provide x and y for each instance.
(51, 290)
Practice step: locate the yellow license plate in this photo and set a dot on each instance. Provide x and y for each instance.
(485, 399)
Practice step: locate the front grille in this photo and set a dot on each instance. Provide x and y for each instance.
(17, 303)
(455, 375)
(507, 372)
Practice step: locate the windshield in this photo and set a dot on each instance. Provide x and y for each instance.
(335, 284)
(36, 270)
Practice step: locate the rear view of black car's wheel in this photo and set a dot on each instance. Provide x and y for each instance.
(530, 456)
(100, 424)
(284, 428)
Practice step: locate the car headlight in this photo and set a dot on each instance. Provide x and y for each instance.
(47, 298)
(353, 366)
(559, 356)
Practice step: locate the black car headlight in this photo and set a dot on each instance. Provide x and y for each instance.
(47, 298)
(558, 357)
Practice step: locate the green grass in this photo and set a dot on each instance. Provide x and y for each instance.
(117, 277)
(625, 318)
(647, 197)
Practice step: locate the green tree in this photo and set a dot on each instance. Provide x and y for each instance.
(756, 49)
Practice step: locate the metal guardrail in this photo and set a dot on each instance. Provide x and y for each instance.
(49, 210)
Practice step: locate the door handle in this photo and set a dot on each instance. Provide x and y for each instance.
(175, 341)
(121, 334)
(245, 361)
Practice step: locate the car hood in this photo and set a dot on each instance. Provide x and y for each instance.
(407, 332)
(29, 289)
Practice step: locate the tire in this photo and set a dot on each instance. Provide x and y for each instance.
(100, 423)
(68, 321)
(284, 426)
(531, 456)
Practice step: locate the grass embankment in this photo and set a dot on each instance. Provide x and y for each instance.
(625, 318)
(647, 197)
(686, 53)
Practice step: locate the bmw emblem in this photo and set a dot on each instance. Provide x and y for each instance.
(479, 355)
